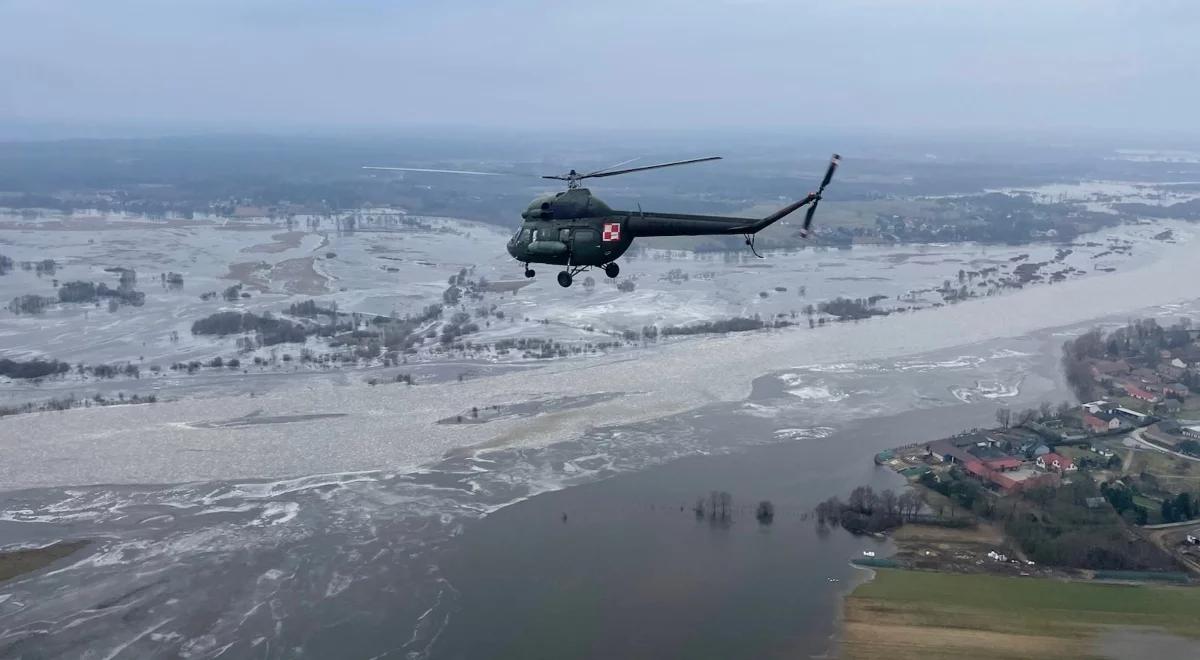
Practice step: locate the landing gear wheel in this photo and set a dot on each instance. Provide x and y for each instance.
(564, 279)
(529, 272)
(612, 270)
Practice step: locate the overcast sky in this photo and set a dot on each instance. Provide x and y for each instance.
(892, 65)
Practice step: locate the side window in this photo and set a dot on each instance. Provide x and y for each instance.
(525, 235)
(564, 235)
(585, 236)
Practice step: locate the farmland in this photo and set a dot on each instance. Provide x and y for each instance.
(916, 614)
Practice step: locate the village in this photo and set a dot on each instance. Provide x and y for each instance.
(1103, 489)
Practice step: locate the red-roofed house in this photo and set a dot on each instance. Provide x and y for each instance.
(1006, 482)
(1006, 464)
(1139, 393)
(1097, 425)
(1058, 462)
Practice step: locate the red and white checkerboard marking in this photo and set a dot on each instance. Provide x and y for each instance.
(612, 231)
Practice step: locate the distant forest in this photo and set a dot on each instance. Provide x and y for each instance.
(187, 175)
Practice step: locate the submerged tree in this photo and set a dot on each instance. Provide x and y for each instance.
(765, 513)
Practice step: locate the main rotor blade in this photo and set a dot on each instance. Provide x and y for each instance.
(648, 167)
(605, 169)
(421, 169)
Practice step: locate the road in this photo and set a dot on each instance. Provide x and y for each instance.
(1138, 440)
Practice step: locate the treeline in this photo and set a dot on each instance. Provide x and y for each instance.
(961, 490)
(89, 292)
(30, 304)
(32, 368)
(68, 402)
(310, 309)
(868, 512)
(41, 368)
(845, 308)
(735, 324)
(270, 330)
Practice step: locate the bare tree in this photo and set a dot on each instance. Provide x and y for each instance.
(889, 502)
(862, 499)
(910, 503)
(1004, 417)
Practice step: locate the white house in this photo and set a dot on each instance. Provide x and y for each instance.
(1057, 462)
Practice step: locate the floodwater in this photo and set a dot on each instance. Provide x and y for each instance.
(447, 552)
(407, 565)
(632, 573)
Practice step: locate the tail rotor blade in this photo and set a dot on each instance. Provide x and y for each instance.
(808, 216)
(833, 163)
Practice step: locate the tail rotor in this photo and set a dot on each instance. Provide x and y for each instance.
(808, 215)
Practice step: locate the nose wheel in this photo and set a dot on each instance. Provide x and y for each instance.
(529, 272)
(612, 270)
(564, 279)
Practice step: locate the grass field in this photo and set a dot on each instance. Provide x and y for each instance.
(1076, 453)
(916, 614)
(1174, 474)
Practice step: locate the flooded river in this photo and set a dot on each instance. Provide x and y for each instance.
(449, 553)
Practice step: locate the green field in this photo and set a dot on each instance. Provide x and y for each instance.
(903, 614)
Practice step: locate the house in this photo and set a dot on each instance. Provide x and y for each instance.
(1178, 389)
(1005, 483)
(1139, 393)
(1144, 375)
(1056, 462)
(945, 451)
(1179, 364)
(1005, 464)
(1096, 406)
(1132, 416)
(1110, 417)
(1170, 407)
(1095, 424)
(1169, 372)
(1102, 421)
(1106, 369)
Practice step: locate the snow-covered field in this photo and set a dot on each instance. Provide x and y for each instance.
(394, 426)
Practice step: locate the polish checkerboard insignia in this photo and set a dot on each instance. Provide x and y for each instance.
(612, 231)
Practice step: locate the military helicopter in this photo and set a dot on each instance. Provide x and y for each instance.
(578, 231)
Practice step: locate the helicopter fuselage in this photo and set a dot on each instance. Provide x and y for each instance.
(576, 229)
(572, 228)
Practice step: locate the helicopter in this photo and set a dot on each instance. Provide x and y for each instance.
(575, 229)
